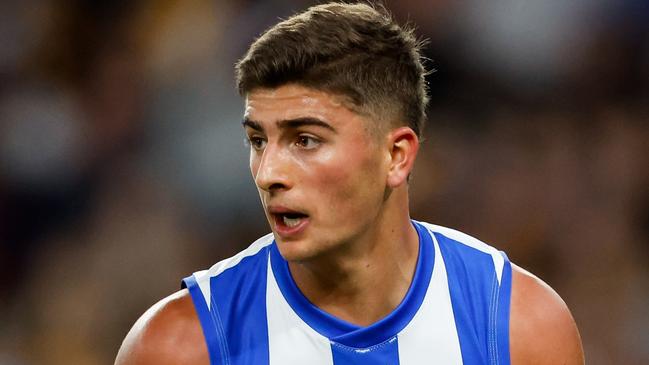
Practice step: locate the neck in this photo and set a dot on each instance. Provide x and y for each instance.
(346, 283)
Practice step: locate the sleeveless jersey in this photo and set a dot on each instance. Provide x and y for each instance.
(456, 310)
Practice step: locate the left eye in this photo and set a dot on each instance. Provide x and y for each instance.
(307, 142)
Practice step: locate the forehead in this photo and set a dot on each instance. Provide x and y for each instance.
(294, 101)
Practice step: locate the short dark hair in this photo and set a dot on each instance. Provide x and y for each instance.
(354, 50)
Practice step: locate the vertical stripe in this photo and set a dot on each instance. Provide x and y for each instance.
(238, 307)
(474, 287)
(386, 353)
(431, 337)
(205, 317)
(290, 340)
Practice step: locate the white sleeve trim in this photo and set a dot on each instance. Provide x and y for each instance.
(203, 277)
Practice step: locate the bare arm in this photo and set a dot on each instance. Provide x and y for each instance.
(168, 333)
(542, 330)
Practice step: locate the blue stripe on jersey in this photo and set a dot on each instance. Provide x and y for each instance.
(502, 316)
(386, 353)
(238, 312)
(475, 295)
(347, 333)
(205, 317)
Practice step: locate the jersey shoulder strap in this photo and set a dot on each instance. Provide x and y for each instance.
(234, 290)
(479, 279)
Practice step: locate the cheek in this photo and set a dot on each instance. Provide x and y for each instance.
(351, 180)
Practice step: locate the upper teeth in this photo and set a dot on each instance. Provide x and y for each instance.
(291, 222)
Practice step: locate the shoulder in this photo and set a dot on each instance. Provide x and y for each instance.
(542, 330)
(168, 333)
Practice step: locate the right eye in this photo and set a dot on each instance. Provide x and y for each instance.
(256, 142)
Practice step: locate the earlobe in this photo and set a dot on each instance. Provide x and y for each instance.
(404, 145)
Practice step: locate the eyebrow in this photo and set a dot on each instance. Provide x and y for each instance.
(251, 124)
(290, 123)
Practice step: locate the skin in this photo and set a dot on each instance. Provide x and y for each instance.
(311, 154)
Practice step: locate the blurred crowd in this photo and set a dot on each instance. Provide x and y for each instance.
(123, 168)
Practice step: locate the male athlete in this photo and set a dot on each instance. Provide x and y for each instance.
(335, 101)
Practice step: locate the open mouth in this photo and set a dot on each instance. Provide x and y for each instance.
(289, 220)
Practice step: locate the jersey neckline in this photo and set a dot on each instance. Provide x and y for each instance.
(349, 334)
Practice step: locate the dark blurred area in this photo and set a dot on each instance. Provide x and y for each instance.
(122, 167)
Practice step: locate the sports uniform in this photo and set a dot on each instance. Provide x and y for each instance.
(456, 310)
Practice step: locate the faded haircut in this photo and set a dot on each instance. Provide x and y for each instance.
(356, 51)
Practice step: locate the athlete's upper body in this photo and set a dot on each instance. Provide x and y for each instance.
(335, 104)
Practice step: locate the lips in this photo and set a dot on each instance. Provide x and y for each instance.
(288, 222)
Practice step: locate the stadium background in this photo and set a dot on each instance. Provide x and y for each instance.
(122, 167)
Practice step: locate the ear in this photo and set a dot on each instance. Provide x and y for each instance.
(404, 144)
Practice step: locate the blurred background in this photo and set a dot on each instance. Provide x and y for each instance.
(123, 168)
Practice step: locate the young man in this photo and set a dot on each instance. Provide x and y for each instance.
(335, 101)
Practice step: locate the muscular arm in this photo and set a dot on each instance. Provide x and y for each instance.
(542, 330)
(168, 333)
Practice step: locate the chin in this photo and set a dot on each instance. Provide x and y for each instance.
(296, 251)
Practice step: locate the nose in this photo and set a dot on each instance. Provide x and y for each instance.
(272, 169)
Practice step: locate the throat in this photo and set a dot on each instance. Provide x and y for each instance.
(361, 296)
(362, 311)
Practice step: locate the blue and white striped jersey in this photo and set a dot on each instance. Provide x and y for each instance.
(456, 310)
